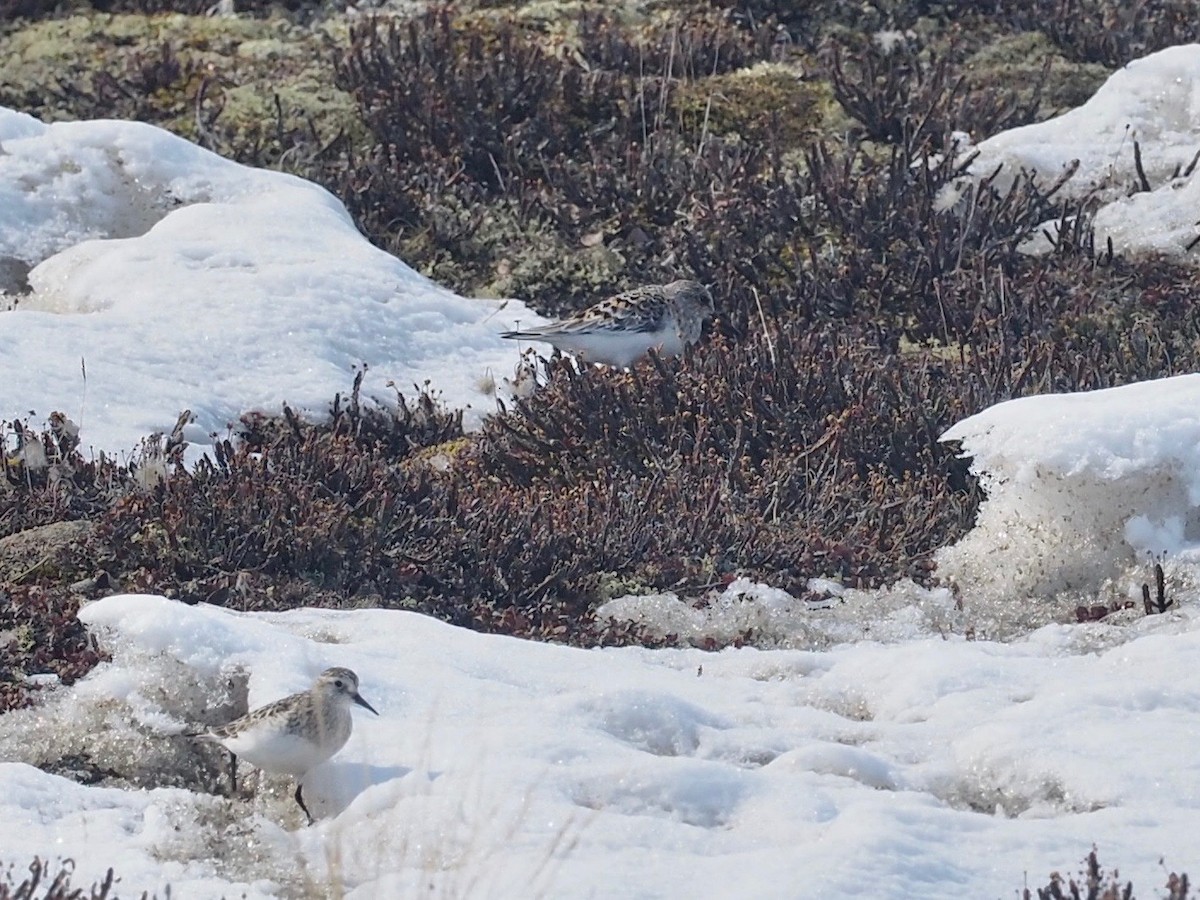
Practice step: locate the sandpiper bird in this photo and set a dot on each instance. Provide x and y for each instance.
(624, 328)
(296, 733)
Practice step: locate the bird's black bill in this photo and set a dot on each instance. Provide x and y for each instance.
(361, 702)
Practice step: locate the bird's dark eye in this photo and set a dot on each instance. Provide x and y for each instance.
(338, 683)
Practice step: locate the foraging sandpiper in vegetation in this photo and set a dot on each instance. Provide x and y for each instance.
(624, 328)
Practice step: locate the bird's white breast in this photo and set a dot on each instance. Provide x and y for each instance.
(272, 747)
(619, 348)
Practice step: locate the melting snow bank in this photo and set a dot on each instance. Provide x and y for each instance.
(181, 280)
(503, 768)
(832, 614)
(1154, 101)
(1081, 490)
(1084, 493)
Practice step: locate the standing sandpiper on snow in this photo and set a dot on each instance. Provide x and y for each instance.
(296, 733)
(624, 328)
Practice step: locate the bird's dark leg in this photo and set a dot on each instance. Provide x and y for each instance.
(300, 800)
(232, 775)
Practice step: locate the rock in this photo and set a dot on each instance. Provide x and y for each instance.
(41, 553)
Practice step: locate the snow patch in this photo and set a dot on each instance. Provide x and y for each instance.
(502, 767)
(773, 617)
(1083, 490)
(181, 280)
(654, 723)
(1153, 102)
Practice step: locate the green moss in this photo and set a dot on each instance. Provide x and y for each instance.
(505, 253)
(254, 79)
(441, 457)
(47, 53)
(1015, 62)
(256, 108)
(754, 103)
(610, 585)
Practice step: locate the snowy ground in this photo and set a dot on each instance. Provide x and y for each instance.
(932, 766)
(893, 745)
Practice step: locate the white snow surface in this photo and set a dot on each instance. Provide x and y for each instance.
(181, 280)
(1153, 101)
(933, 766)
(1081, 489)
(906, 742)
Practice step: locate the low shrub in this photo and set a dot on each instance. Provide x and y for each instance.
(35, 886)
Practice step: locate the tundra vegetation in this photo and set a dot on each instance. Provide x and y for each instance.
(795, 157)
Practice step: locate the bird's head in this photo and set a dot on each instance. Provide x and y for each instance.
(343, 685)
(691, 297)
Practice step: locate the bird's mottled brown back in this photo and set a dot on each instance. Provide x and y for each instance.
(638, 309)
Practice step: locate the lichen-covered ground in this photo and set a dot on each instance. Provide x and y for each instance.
(560, 152)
